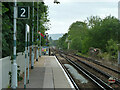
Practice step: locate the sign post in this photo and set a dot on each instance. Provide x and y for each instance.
(19, 13)
(14, 65)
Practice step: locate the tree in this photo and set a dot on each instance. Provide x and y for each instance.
(7, 26)
(94, 32)
(61, 42)
(77, 34)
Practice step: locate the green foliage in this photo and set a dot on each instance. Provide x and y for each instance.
(106, 30)
(112, 48)
(7, 26)
(77, 33)
(18, 76)
(61, 43)
(95, 32)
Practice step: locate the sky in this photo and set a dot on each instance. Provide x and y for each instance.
(68, 11)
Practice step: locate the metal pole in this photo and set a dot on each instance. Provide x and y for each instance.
(14, 65)
(40, 42)
(40, 46)
(68, 44)
(28, 54)
(32, 62)
(118, 44)
(25, 56)
(118, 54)
(37, 33)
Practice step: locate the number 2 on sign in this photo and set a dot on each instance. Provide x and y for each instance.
(22, 15)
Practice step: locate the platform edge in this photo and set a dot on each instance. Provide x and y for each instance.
(72, 86)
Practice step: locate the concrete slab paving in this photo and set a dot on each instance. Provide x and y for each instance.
(47, 73)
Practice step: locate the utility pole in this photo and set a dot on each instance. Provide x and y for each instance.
(32, 62)
(37, 33)
(14, 65)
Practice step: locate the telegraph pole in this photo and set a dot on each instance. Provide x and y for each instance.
(32, 62)
(14, 65)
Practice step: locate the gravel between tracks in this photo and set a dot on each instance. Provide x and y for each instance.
(112, 73)
(90, 85)
(93, 71)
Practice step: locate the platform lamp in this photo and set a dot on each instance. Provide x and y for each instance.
(26, 32)
(56, 1)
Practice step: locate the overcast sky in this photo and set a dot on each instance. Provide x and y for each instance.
(68, 11)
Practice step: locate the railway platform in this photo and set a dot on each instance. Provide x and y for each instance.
(48, 73)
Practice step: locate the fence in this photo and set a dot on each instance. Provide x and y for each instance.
(5, 67)
(0, 74)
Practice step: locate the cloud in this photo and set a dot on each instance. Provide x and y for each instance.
(62, 16)
(71, 1)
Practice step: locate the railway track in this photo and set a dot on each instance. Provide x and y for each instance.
(103, 70)
(98, 63)
(105, 74)
(100, 83)
(72, 80)
(109, 73)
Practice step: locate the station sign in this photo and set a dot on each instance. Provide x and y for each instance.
(23, 12)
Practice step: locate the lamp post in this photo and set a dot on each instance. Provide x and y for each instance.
(14, 65)
(56, 1)
(32, 59)
(26, 31)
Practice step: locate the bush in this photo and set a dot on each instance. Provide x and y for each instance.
(112, 49)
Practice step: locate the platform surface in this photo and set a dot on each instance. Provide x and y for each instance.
(47, 73)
